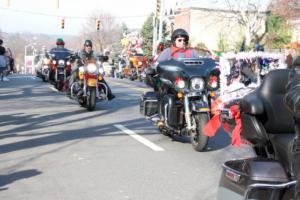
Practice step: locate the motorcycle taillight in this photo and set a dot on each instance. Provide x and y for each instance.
(53, 66)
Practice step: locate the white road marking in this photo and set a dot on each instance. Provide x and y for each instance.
(139, 138)
(32, 77)
(53, 89)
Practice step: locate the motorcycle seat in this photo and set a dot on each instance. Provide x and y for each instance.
(263, 110)
(282, 147)
(252, 104)
(276, 117)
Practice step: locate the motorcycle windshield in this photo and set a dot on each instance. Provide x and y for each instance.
(60, 55)
(188, 68)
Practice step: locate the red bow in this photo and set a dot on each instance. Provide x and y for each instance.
(236, 133)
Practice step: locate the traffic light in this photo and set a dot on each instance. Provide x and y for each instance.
(62, 23)
(98, 24)
(158, 6)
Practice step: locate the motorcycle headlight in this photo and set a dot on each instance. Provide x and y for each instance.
(81, 69)
(68, 63)
(101, 70)
(140, 63)
(54, 62)
(91, 68)
(197, 84)
(61, 62)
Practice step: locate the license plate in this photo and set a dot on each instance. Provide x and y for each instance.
(91, 82)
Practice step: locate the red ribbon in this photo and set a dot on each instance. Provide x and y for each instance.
(236, 133)
(214, 123)
(212, 126)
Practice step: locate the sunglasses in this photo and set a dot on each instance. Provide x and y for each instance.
(181, 40)
(88, 46)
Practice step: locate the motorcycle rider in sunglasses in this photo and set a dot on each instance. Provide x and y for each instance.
(179, 48)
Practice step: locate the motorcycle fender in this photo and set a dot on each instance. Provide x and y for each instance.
(200, 106)
(92, 82)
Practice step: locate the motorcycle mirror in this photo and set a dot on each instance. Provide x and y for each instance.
(103, 58)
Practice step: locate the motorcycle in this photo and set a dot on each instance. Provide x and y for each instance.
(137, 64)
(88, 87)
(184, 89)
(45, 71)
(59, 71)
(269, 127)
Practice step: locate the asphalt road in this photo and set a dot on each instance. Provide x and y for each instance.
(51, 148)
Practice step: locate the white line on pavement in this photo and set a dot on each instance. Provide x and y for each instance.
(139, 138)
(32, 77)
(54, 89)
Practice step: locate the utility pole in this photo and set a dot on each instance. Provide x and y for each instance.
(161, 15)
(7, 3)
(157, 24)
(154, 35)
(56, 4)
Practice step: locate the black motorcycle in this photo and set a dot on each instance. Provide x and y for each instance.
(269, 127)
(60, 69)
(183, 91)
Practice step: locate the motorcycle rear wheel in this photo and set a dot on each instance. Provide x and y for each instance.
(198, 139)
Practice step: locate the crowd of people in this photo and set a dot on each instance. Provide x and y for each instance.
(6, 62)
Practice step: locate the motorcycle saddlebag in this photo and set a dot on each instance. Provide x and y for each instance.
(148, 104)
(238, 175)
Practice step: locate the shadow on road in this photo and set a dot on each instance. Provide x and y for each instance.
(10, 178)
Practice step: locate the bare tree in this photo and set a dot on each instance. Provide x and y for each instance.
(109, 32)
(249, 14)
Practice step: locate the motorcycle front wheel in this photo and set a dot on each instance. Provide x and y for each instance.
(91, 99)
(198, 139)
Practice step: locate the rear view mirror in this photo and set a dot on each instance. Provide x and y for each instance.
(103, 58)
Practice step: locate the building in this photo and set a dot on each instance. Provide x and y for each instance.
(212, 23)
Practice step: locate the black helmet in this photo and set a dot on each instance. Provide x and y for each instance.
(179, 33)
(258, 47)
(88, 43)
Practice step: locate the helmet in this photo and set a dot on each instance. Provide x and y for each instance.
(88, 43)
(258, 47)
(60, 41)
(179, 33)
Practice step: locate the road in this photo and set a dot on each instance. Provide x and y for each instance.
(51, 148)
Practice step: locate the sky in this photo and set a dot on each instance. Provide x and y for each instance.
(13, 19)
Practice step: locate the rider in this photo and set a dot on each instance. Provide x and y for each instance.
(292, 101)
(87, 53)
(179, 48)
(60, 52)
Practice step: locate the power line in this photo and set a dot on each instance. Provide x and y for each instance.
(69, 17)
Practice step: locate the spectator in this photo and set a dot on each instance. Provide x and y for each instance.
(3, 62)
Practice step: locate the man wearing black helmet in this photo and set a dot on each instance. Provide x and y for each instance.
(179, 48)
(85, 54)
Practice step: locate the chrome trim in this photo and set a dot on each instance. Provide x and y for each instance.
(271, 186)
(187, 113)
